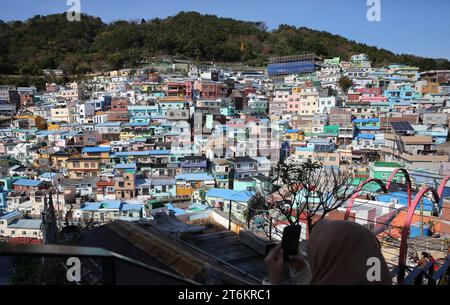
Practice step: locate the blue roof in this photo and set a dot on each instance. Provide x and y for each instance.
(131, 153)
(91, 206)
(371, 120)
(48, 175)
(72, 133)
(155, 182)
(369, 128)
(97, 149)
(109, 124)
(403, 199)
(28, 182)
(111, 204)
(137, 124)
(26, 224)
(159, 152)
(366, 136)
(194, 177)
(142, 153)
(106, 204)
(137, 140)
(10, 215)
(49, 132)
(198, 206)
(132, 207)
(227, 194)
(177, 211)
(125, 166)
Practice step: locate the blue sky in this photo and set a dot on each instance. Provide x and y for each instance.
(419, 27)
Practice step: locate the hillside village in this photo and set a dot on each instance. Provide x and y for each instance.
(199, 142)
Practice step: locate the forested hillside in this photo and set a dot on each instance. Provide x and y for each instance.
(51, 42)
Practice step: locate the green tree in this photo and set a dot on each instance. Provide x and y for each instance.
(345, 83)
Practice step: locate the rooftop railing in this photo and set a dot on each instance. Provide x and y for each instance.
(108, 260)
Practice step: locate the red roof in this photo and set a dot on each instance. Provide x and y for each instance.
(24, 240)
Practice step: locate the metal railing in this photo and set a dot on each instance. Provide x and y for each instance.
(108, 259)
(417, 275)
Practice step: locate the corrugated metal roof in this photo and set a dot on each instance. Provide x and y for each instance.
(194, 177)
(371, 120)
(97, 149)
(142, 153)
(26, 224)
(11, 215)
(227, 194)
(91, 206)
(28, 182)
(132, 207)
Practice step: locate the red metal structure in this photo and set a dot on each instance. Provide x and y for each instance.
(437, 195)
(358, 190)
(408, 181)
(442, 185)
(405, 230)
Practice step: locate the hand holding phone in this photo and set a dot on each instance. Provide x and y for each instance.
(290, 241)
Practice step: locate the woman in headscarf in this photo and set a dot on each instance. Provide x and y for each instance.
(338, 253)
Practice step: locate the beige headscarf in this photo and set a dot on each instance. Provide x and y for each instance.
(338, 252)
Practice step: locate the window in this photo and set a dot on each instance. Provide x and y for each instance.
(24, 232)
(13, 232)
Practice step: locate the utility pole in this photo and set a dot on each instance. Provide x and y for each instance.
(421, 218)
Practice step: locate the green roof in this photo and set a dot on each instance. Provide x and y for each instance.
(371, 187)
(387, 164)
(331, 128)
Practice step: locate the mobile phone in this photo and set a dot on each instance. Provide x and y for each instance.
(290, 240)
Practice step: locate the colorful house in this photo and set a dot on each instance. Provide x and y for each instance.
(382, 171)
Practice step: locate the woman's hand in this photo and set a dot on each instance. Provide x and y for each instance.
(297, 262)
(274, 264)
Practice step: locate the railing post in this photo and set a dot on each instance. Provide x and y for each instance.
(109, 271)
(401, 274)
(270, 228)
(229, 215)
(418, 280)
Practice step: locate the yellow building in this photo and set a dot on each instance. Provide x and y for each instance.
(59, 159)
(429, 87)
(35, 120)
(127, 135)
(184, 189)
(79, 168)
(294, 135)
(61, 115)
(302, 154)
(52, 126)
(125, 186)
(100, 154)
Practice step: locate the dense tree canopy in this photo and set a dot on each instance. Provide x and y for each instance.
(345, 83)
(51, 42)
